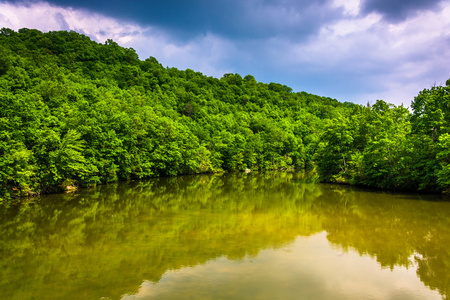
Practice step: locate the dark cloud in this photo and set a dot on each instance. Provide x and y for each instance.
(398, 10)
(250, 19)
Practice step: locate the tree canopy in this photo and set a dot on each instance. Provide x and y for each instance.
(74, 112)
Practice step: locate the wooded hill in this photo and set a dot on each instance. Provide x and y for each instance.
(74, 112)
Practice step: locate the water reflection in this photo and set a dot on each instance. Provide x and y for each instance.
(306, 269)
(224, 235)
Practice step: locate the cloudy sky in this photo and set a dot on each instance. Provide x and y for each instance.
(351, 50)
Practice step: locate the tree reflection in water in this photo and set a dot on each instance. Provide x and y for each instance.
(105, 241)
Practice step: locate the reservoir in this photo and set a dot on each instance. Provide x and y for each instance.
(229, 236)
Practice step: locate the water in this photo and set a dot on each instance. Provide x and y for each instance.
(233, 236)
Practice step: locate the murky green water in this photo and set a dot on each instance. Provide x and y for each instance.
(272, 236)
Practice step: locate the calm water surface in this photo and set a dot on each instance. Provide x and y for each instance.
(233, 236)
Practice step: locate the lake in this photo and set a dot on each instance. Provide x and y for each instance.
(229, 236)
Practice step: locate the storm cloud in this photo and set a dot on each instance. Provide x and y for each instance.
(228, 18)
(399, 10)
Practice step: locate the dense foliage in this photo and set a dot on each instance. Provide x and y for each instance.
(388, 147)
(76, 112)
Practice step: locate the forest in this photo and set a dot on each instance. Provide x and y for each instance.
(77, 113)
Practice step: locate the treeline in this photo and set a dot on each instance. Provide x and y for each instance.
(388, 147)
(74, 112)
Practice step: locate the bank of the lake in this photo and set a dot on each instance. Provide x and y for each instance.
(226, 236)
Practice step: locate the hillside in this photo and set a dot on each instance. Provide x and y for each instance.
(74, 112)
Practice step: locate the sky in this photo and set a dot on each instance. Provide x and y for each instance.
(350, 50)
